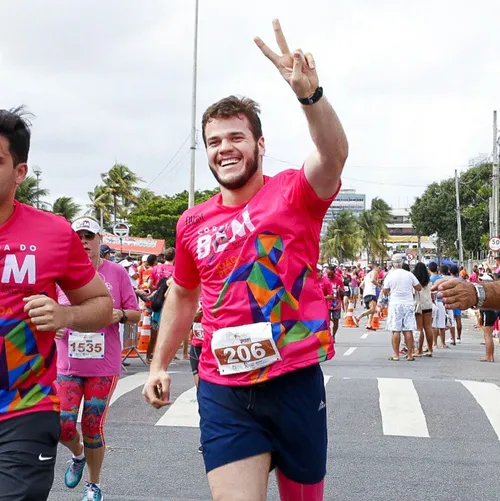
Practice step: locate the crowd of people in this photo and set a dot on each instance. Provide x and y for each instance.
(414, 310)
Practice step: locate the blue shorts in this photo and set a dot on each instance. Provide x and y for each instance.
(457, 313)
(285, 416)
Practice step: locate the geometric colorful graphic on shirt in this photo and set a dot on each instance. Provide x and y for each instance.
(22, 367)
(267, 294)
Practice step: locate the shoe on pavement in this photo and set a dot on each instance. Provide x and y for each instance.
(200, 449)
(74, 472)
(356, 321)
(92, 493)
(459, 341)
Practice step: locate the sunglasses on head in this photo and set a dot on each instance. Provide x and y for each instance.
(87, 235)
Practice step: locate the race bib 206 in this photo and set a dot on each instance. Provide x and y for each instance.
(244, 348)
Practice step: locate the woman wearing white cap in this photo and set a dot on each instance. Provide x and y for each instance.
(89, 365)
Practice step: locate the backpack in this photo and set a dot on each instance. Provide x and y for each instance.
(159, 295)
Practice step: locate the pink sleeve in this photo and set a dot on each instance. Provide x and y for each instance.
(128, 297)
(185, 273)
(300, 194)
(78, 271)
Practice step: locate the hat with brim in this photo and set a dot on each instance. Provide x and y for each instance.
(86, 224)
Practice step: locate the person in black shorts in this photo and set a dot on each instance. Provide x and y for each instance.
(38, 251)
(489, 318)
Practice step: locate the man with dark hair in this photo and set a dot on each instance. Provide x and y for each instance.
(38, 251)
(252, 250)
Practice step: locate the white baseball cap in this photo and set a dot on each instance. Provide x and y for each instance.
(145, 258)
(126, 263)
(86, 223)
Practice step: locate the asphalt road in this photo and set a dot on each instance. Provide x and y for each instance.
(415, 431)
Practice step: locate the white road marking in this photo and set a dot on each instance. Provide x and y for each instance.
(365, 335)
(350, 351)
(183, 412)
(402, 414)
(487, 395)
(327, 378)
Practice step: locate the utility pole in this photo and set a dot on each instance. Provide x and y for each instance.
(495, 176)
(38, 172)
(459, 223)
(193, 112)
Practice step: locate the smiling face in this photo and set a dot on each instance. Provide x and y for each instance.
(234, 156)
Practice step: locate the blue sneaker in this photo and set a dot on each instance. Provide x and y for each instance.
(74, 472)
(92, 493)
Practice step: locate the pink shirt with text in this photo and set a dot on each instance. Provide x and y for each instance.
(37, 251)
(257, 263)
(118, 283)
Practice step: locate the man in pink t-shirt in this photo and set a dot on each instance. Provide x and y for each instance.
(252, 251)
(38, 251)
(332, 287)
(163, 270)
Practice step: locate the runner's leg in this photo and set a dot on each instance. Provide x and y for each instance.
(244, 480)
(70, 393)
(420, 328)
(409, 343)
(97, 393)
(293, 491)
(429, 331)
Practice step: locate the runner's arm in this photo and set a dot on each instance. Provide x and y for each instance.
(91, 307)
(324, 166)
(177, 317)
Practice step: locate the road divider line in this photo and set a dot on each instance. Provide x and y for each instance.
(365, 335)
(487, 395)
(402, 414)
(350, 351)
(183, 412)
(326, 379)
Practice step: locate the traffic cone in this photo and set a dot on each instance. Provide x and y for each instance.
(375, 321)
(349, 318)
(144, 332)
(385, 312)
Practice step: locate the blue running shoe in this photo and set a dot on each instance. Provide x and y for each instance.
(92, 493)
(74, 472)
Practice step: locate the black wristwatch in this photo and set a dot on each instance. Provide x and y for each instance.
(318, 94)
(124, 318)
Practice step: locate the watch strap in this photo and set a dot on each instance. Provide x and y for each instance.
(318, 94)
(481, 294)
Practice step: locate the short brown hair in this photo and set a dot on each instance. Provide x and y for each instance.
(232, 106)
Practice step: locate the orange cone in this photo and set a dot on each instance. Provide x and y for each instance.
(376, 321)
(385, 312)
(144, 332)
(349, 318)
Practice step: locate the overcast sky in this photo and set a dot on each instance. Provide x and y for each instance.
(414, 83)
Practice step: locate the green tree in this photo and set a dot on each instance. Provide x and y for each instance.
(66, 207)
(28, 192)
(343, 237)
(101, 205)
(121, 183)
(159, 216)
(434, 213)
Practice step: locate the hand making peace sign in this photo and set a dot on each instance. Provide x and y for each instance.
(297, 69)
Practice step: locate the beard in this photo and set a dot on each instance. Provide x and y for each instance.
(237, 182)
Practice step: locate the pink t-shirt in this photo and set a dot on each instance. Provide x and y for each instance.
(165, 270)
(37, 251)
(118, 283)
(257, 263)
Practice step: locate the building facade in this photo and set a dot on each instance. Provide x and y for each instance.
(346, 200)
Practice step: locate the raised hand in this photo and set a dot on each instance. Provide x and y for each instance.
(297, 68)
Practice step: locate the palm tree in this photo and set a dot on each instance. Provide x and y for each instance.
(101, 206)
(66, 207)
(342, 239)
(121, 184)
(144, 197)
(29, 193)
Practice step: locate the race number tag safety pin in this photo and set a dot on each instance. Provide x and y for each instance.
(244, 348)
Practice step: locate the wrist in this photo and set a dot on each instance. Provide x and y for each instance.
(312, 98)
(66, 317)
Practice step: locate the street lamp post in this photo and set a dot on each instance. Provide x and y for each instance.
(38, 172)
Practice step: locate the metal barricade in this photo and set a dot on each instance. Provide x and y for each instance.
(130, 340)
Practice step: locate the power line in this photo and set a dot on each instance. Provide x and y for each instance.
(170, 161)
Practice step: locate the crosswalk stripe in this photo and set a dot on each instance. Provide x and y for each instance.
(350, 351)
(183, 412)
(402, 414)
(487, 395)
